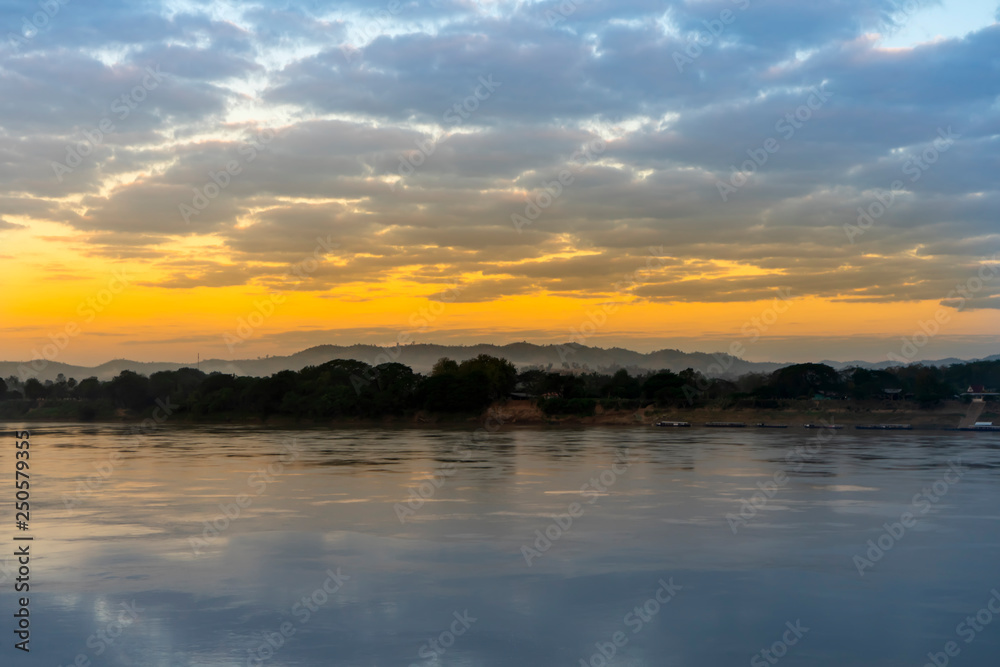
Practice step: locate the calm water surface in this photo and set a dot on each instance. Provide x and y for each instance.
(664, 511)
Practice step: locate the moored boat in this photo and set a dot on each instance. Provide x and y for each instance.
(980, 427)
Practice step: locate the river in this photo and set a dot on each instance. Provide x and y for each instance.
(229, 545)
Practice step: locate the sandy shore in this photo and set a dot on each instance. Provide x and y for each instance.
(795, 414)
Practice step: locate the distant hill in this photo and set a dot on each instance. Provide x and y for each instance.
(421, 358)
(879, 365)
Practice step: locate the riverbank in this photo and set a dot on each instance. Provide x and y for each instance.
(947, 414)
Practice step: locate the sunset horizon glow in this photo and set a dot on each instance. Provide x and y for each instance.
(235, 181)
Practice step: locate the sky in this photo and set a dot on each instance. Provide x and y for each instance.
(240, 179)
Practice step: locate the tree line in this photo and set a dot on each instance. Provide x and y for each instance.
(345, 388)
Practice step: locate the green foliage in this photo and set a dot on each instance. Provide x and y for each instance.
(805, 381)
(444, 366)
(620, 403)
(469, 386)
(15, 408)
(665, 387)
(353, 389)
(500, 374)
(131, 391)
(531, 382)
(584, 407)
(33, 389)
(89, 389)
(181, 382)
(622, 386)
(868, 384)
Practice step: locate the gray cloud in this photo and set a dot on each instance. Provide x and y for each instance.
(345, 121)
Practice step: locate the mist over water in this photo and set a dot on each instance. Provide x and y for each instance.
(221, 545)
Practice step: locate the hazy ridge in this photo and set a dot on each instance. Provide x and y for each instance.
(421, 357)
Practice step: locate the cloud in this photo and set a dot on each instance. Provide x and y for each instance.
(365, 146)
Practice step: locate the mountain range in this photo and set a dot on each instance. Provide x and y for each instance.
(421, 358)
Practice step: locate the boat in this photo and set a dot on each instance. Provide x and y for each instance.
(674, 424)
(763, 425)
(884, 427)
(829, 426)
(725, 424)
(980, 426)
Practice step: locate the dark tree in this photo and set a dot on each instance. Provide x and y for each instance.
(500, 374)
(805, 380)
(34, 389)
(131, 390)
(444, 366)
(89, 389)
